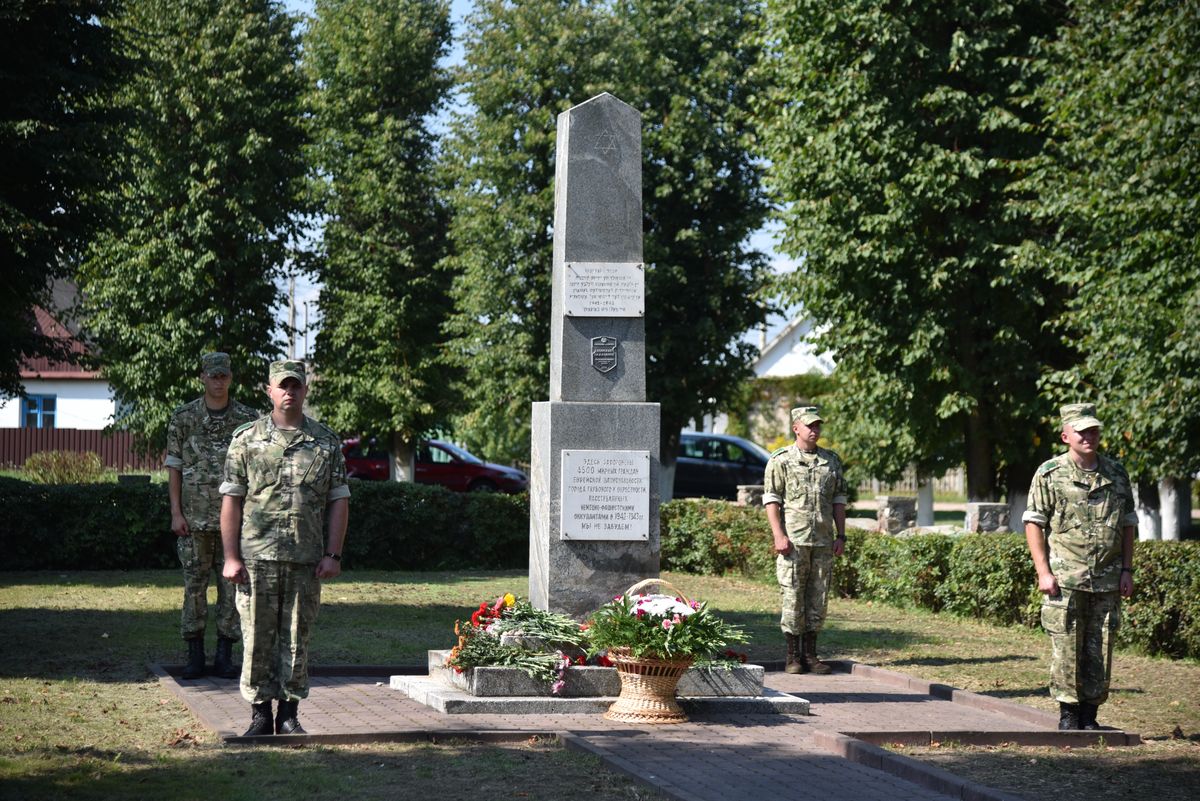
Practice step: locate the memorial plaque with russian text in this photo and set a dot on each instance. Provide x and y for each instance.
(605, 495)
(604, 289)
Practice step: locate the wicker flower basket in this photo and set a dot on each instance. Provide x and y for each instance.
(647, 683)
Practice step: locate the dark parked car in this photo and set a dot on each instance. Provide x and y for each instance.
(437, 462)
(712, 465)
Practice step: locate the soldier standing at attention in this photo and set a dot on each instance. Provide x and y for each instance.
(807, 482)
(283, 522)
(197, 438)
(1081, 504)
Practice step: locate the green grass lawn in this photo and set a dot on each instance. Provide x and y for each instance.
(81, 716)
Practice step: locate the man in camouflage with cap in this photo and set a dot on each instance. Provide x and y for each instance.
(804, 491)
(283, 522)
(1080, 524)
(197, 437)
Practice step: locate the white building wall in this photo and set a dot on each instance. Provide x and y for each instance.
(81, 403)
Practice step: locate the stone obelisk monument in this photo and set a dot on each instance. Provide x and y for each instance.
(593, 523)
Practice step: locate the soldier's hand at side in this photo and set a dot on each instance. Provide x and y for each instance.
(179, 526)
(783, 546)
(328, 567)
(1048, 584)
(1126, 584)
(839, 546)
(235, 571)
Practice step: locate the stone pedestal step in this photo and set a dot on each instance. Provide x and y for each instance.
(590, 682)
(438, 696)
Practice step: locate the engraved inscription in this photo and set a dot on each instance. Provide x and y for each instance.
(605, 495)
(604, 289)
(604, 353)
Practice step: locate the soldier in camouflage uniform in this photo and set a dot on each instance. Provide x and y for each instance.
(197, 438)
(283, 522)
(804, 492)
(1080, 525)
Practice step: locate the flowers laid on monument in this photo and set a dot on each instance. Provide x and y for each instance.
(509, 632)
(663, 627)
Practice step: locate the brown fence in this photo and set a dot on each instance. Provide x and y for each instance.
(115, 449)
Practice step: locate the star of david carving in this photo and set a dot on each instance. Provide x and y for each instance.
(606, 142)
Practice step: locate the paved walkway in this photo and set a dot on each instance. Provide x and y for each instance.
(828, 755)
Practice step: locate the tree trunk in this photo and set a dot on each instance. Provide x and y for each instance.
(1185, 507)
(668, 451)
(981, 473)
(402, 465)
(924, 501)
(1168, 507)
(1145, 501)
(1017, 479)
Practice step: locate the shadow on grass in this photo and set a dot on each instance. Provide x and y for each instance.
(966, 660)
(117, 645)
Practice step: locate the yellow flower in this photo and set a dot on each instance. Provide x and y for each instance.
(509, 599)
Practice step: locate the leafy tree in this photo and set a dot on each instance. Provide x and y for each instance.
(524, 64)
(374, 68)
(1117, 193)
(894, 130)
(689, 70)
(57, 63)
(683, 65)
(205, 209)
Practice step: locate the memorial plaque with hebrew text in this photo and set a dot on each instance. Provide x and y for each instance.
(604, 289)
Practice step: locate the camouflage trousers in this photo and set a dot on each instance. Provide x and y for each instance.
(203, 558)
(278, 606)
(803, 576)
(1081, 626)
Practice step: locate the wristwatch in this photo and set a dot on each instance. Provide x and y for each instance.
(337, 557)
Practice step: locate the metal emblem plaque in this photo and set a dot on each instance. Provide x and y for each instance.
(604, 353)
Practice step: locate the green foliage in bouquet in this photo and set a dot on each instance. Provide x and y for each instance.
(661, 626)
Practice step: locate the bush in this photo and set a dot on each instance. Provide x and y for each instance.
(716, 538)
(64, 467)
(1163, 617)
(982, 576)
(991, 577)
(127, 526)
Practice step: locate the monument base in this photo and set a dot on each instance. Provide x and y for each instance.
(499, 690)
(577, 576)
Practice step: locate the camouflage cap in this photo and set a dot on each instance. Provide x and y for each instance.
(1080, 416)
(807, 415)
(216, 363)
(287, 368)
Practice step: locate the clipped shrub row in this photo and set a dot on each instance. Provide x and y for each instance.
(127, 526)
(981, 576)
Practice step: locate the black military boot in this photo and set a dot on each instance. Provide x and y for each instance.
(1068, 717)
(286, 720)
(808, 657)
(223, 660)
(194, 668)
(1087, 716)
(793, 665)
(260, 720)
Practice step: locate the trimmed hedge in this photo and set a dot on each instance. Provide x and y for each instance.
(392, 527)
(982, 576)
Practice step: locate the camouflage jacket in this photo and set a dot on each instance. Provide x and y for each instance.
(286, 488)
(807, 485)
(196, 445)
(1082, 515)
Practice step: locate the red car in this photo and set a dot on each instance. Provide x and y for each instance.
(437, 462)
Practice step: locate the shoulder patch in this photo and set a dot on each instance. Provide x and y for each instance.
(778, 451)
(243, 427)
(1048, 467)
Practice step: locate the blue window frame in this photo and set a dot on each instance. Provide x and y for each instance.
(38, 411)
